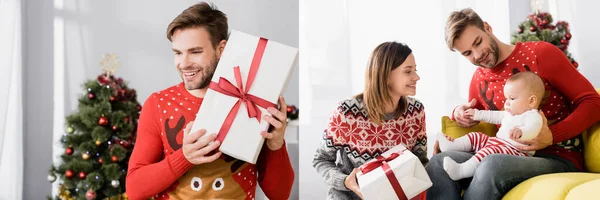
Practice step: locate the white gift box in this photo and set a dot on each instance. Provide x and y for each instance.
(408, 170)
(243, 140)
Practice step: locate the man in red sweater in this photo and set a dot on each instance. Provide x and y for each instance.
(570, 105)
(169, 162)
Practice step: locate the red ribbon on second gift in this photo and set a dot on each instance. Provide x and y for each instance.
(252, 102)
(382, 162)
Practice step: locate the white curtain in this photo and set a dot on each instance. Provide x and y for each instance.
(336, 38)
(11, 115)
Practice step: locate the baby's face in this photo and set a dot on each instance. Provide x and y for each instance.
(517, 98)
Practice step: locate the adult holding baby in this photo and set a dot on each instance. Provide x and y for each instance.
(570, 105)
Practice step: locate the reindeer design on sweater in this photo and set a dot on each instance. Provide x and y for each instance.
(224, 178)
(489, 100)
(210, 181)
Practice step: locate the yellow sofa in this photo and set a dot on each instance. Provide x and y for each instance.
(570, 186)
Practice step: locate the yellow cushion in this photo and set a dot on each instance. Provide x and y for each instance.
(550, 186)
(585, 191)
(452, 129)
(591, 148)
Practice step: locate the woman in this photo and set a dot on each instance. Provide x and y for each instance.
(370, 123)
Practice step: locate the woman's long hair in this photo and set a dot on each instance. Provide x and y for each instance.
(384, 58)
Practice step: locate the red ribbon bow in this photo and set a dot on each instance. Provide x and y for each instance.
(382, 162)
(252, 102)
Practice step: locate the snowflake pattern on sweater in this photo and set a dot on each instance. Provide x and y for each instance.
(349, 128)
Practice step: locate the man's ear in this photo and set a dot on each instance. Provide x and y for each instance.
(220, 48)
(487, 27)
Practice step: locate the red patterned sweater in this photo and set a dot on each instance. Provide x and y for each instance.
(158, 168)
(570, 103)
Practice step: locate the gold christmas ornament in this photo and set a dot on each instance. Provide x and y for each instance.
(64, 194)
(109, 63)
(98, 143)
(85, 156)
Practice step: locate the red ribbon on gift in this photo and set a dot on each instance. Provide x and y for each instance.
(252, 102)
(382, 162)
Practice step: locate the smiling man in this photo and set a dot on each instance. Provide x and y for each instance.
(570, 105)
(165, 164)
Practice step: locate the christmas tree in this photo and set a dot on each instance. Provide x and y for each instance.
(539, 27)
(99, 139)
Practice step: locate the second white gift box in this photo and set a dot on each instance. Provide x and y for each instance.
(407, 171)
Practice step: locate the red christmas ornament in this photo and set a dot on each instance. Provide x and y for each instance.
(115, 128)
(103, 121)
(563, 41)
(575, 64)
(520, 30)
(112, 99)
(544, 22)
(538, 22)
(100, 160)
(568, 36)
(90, 195)
(69, 173)
(103, 80)
(69, 150)
(115, 159)
(290, 109)
(82, 175)
(127, 120)
(124, 144)
(139, 108)
(532, 28)
(91, 95)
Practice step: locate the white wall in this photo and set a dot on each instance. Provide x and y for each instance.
(585, 36)
(67, 38)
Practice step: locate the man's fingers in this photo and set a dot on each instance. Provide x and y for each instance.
(276, 123)
(267, 135)
(277, 113)
(282, 105)
(472, 103)
(206, 140)
(527, 147)
(207, 149)
(464, 122)
(208, 159)
(192, 137)
(544, 119)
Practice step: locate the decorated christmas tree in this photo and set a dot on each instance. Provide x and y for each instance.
(98, 140)
(539, 27)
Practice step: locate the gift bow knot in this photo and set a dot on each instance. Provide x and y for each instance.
(252, 102)
(381, 161)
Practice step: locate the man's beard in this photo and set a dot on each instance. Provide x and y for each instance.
(493, 51)
(207, 74)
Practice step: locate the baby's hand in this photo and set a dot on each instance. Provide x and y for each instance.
(470, 113)
(515, 133)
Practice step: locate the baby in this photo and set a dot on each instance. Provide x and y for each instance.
(519, 120)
